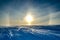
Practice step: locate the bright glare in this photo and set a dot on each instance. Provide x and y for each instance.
(29, 19)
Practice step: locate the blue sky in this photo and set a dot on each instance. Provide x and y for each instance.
(45, 12)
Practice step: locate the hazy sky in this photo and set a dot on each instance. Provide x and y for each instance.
(45, 12)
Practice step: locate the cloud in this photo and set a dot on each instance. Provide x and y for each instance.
(43, 11)
(54, 18)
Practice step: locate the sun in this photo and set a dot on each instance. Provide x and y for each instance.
(29, 19)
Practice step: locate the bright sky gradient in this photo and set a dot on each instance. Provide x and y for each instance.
(44, 12)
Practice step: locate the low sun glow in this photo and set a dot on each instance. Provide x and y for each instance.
(29, 19)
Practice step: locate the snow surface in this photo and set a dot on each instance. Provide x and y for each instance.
(30, 33)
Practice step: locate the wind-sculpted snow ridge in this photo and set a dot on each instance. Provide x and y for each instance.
(39, 31)
(29, 33)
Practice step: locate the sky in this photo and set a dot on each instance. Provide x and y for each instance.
(44, 12)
